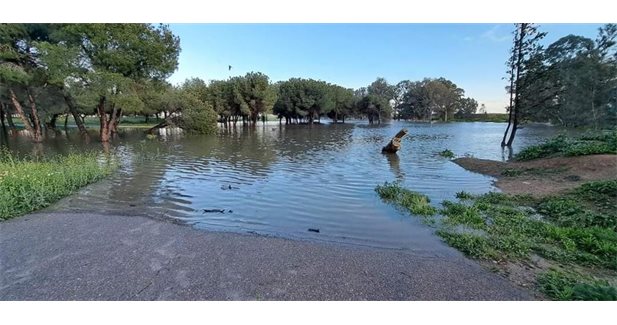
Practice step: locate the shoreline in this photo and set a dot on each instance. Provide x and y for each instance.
(544, 176)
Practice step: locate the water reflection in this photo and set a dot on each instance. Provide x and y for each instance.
(283, 179)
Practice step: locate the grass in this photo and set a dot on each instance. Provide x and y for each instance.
(599, 143)
(576, 230)
(560, 285)
(514, 172)
(488, 117)
(29, 184)
(447, 154)
(411, 201)
(93, 122)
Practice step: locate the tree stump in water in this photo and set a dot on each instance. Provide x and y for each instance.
(395, 143)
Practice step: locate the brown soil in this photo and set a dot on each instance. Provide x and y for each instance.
(543, 177)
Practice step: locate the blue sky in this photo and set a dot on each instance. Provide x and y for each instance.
(354, 55)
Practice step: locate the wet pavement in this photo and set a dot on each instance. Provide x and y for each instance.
(86, 256)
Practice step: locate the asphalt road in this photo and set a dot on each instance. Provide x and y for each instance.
(86, 256)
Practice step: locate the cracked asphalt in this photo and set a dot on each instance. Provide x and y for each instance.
(88, 256)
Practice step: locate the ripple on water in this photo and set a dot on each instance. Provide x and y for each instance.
(282, 181)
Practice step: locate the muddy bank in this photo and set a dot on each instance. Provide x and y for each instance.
(545, 176)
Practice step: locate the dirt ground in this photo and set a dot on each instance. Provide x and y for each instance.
(543, 177)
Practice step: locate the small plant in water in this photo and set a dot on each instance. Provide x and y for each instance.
(447, 154)
(462, 195)
(413, 202)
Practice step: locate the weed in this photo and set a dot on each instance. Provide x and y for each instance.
(413, 202)
(447, 154)
(570, 286)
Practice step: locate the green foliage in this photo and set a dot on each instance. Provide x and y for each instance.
(197, 116)
(560, 285)
(510, 172)
(461, 214)
(462, 195)
(471, 245)
(561, 145)
(30, 184)
(447, 154)
(413, 202)
(576, 228)
(574, 82)
(483, 117)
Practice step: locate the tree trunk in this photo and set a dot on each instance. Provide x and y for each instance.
(66, 122)
(78, 120)
(395, 144)
(2, 116)
(104, 124)
(52, 122)
(512, 94)
(9, 121)
(517, 81)
(116, 120)
(146, 121)
(20, 111)
(38, 137)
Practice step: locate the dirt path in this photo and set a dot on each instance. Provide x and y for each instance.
(544, 176)
(49, 256)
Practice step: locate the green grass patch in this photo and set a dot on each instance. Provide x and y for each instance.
(560, 285)
(600, 143)
(577, 230)
(411, 201)
(29, 184)
(447, 154)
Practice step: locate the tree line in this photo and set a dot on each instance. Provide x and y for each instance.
(115, 70)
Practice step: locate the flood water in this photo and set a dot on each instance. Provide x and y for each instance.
(283, 180)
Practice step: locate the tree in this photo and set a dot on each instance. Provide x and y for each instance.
(523, 59)
(21, 76)
(579, 77)
(308, 99)
(254, 94)
(107, 62)
(415, 101)
(443, 96)
(467, 107)
(482, 109)
(381, 93)
(343, 103)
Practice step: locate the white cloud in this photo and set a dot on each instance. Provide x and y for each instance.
(495, 35)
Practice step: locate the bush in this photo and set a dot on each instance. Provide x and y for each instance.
(200, 119)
